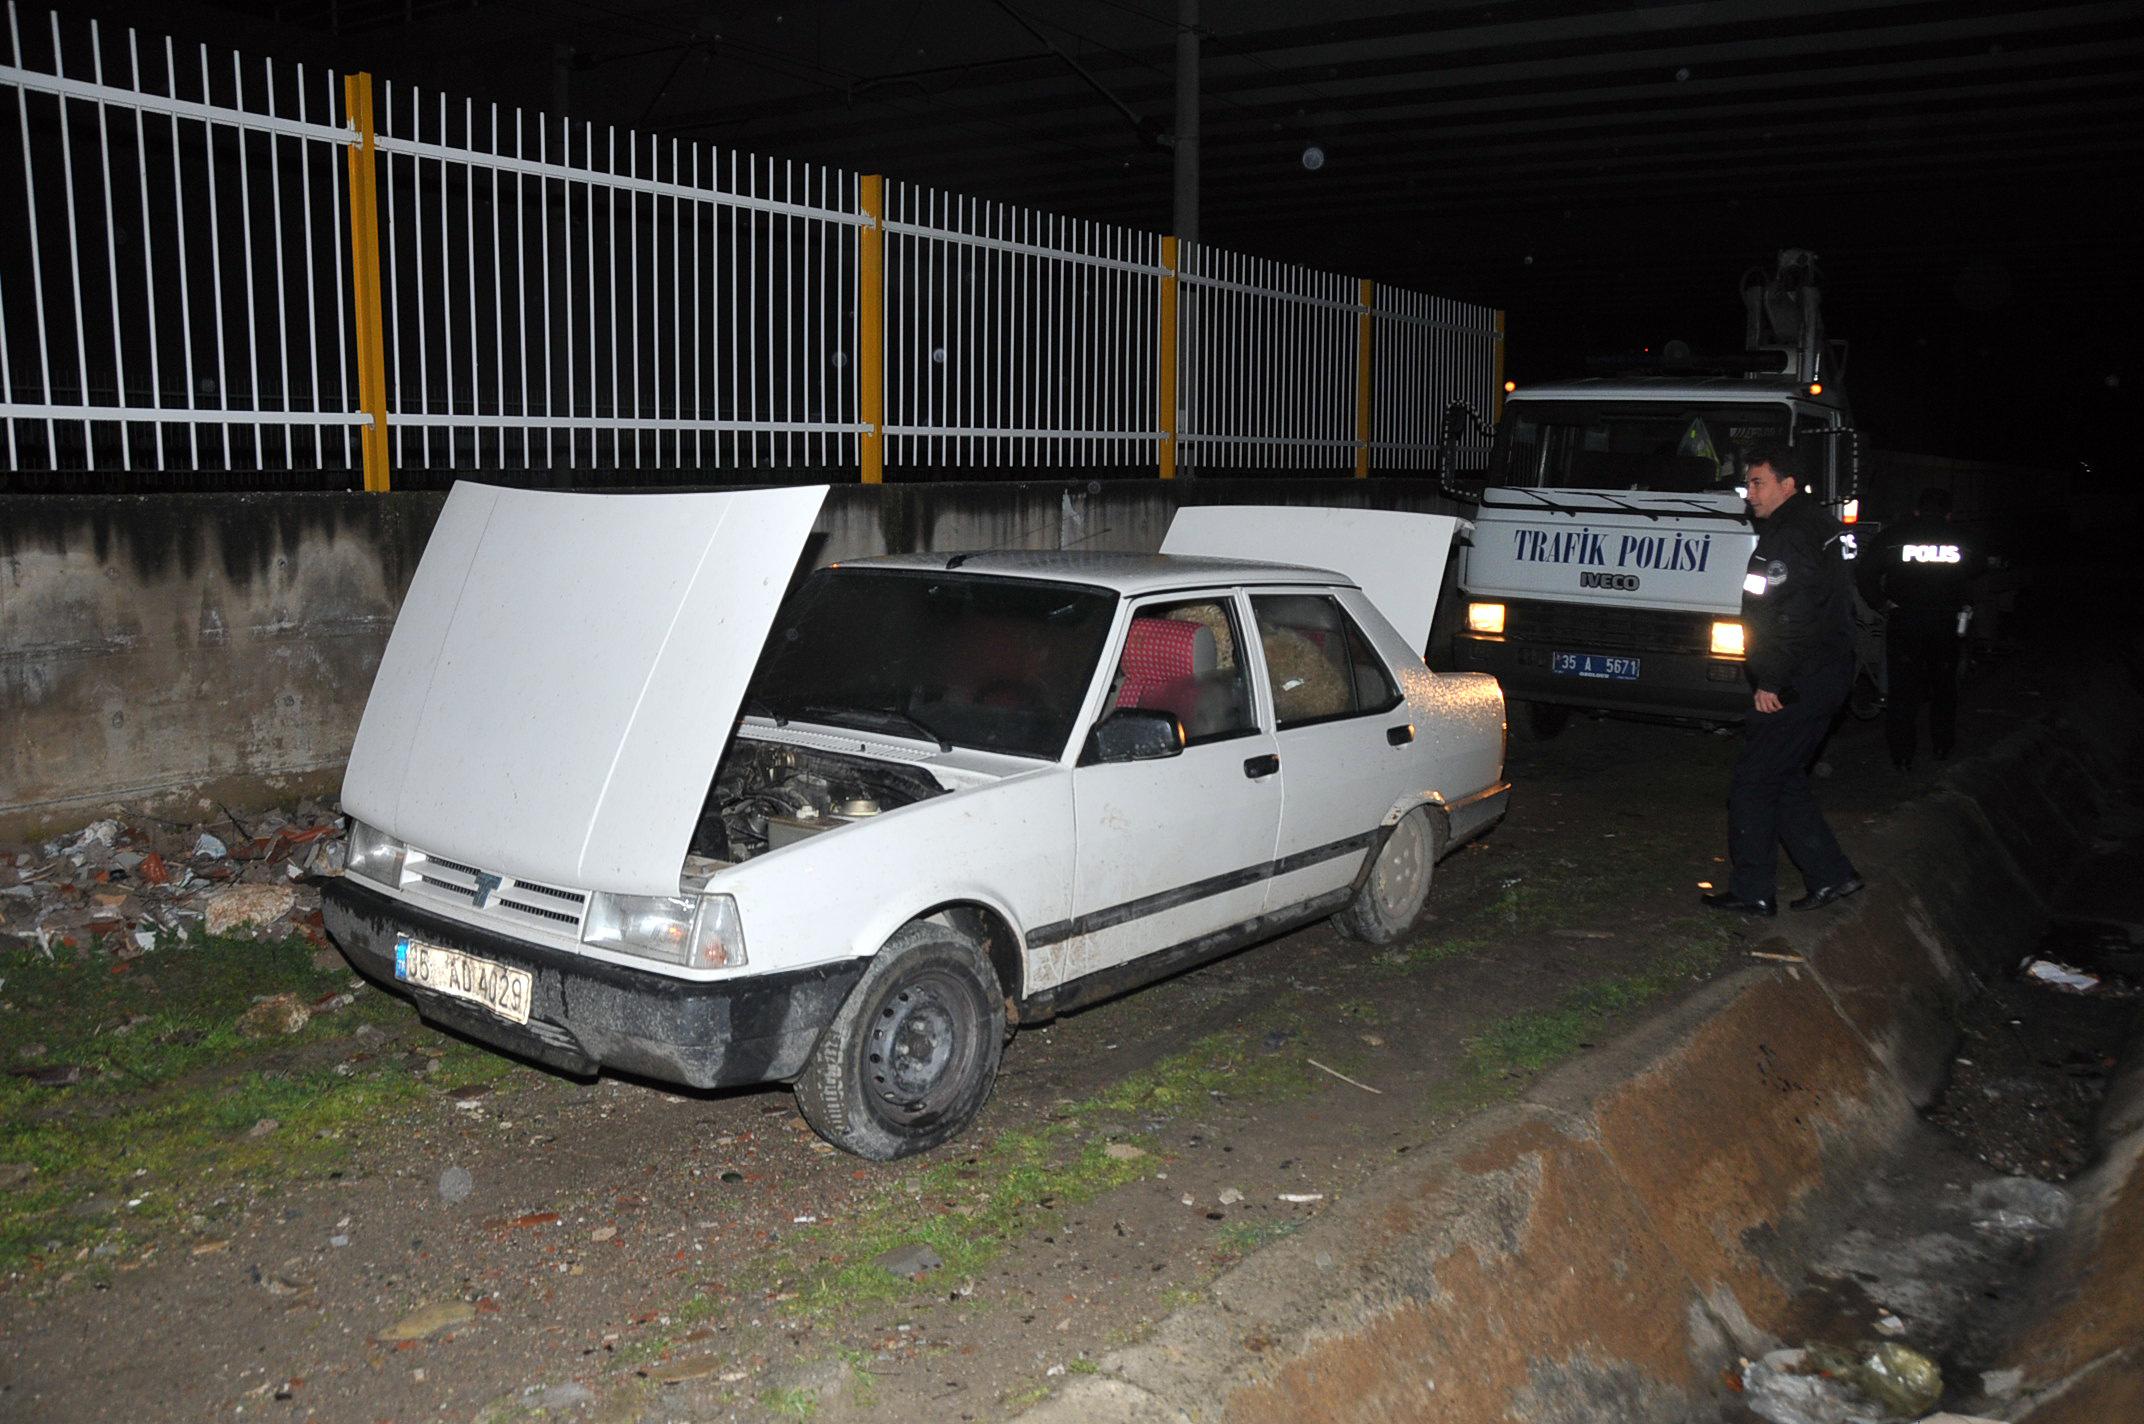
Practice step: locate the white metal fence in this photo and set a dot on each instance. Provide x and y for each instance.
(173, 269)
(1017, 338)
(568, 295)
(176, 294)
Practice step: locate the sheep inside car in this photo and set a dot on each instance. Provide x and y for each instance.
(624, 799)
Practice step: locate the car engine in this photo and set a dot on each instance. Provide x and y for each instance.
(765, 796)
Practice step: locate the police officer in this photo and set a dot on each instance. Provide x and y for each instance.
(1919, 572)
(1797, 609)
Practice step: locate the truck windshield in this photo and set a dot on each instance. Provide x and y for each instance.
(1635, 445)
(996, 663)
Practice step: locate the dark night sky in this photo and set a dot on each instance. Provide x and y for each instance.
(1605, 170)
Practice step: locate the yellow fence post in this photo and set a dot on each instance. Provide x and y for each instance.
(1362, 380)
(1497, 408)
(1168, 358)
(365, 283)
(871, 327)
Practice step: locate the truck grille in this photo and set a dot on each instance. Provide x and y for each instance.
(528, 902)
(1588, 627)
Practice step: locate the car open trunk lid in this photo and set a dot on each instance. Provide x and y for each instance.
(564, 675)
(1396, 558)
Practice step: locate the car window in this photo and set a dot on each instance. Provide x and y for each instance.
(996, 663)
(1320, 664)
(1184, 656)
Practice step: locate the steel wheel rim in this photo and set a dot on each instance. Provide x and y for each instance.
(919, 1053)
(1401, 875)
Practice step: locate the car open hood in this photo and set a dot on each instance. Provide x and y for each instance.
(564, 674)
(1395, 558)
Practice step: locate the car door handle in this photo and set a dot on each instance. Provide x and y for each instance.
(1401, 735)
(1257, 766)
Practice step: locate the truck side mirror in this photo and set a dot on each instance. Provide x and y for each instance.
(1459, 417)
(1848, 459)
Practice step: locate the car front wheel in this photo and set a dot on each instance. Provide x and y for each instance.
(1390, 899)
(910, 1058)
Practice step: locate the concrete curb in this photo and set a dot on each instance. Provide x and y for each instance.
(1602, 1249)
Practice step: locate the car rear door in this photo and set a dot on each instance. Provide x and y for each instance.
(1343, 732)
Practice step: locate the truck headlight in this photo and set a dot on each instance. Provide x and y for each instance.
(1727, 638)
(374, 855)
(696, 931)
(1485, 618)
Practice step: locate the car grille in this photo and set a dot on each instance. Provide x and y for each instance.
(525, 901)
(1588, 627)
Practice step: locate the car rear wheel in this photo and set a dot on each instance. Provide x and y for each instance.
(910, 1058)
(1390, 898)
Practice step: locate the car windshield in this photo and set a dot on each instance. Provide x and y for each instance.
(963, 659)
(1633, 445)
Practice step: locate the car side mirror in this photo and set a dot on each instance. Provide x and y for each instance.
(1134, 734)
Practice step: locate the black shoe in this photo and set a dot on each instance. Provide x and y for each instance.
(1734, 904)
(1824, 895)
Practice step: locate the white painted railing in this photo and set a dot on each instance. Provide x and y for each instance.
(183, 260)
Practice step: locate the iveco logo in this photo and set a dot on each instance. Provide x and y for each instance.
(485, 884)
(1626, 582)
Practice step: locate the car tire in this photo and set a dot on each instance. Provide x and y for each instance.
(910, 1058)
(1390, 898)
(1538, 721)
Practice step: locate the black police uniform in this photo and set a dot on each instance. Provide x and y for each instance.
(1797, 608)
(1920, 570)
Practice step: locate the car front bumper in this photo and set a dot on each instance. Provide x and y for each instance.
(1683, 685)
(587, 1014)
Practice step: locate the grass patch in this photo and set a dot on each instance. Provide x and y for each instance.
(170, 1091)
(1425, 950)
(797, 1403)
(1226, 1063)
(1535, 1039)
(1244, 1237)
(965, 1210)
(969, 1209)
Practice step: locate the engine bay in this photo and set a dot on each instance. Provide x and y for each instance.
(766, 795)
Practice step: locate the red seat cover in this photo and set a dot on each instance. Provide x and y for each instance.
(1160, 666)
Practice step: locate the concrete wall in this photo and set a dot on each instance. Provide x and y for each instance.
(157, 649)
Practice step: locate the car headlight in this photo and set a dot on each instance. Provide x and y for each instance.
(1485, 618)
(696, 931)
(374, 855)
(1727, 639)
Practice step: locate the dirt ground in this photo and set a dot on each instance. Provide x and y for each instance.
(617, 1250)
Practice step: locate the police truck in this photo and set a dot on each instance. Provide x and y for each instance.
(1605, 566)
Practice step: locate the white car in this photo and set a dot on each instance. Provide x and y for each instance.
(603, 817)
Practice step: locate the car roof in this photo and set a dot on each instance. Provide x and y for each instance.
(1126, 573)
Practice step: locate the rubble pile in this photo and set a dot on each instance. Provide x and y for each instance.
(130, 887)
